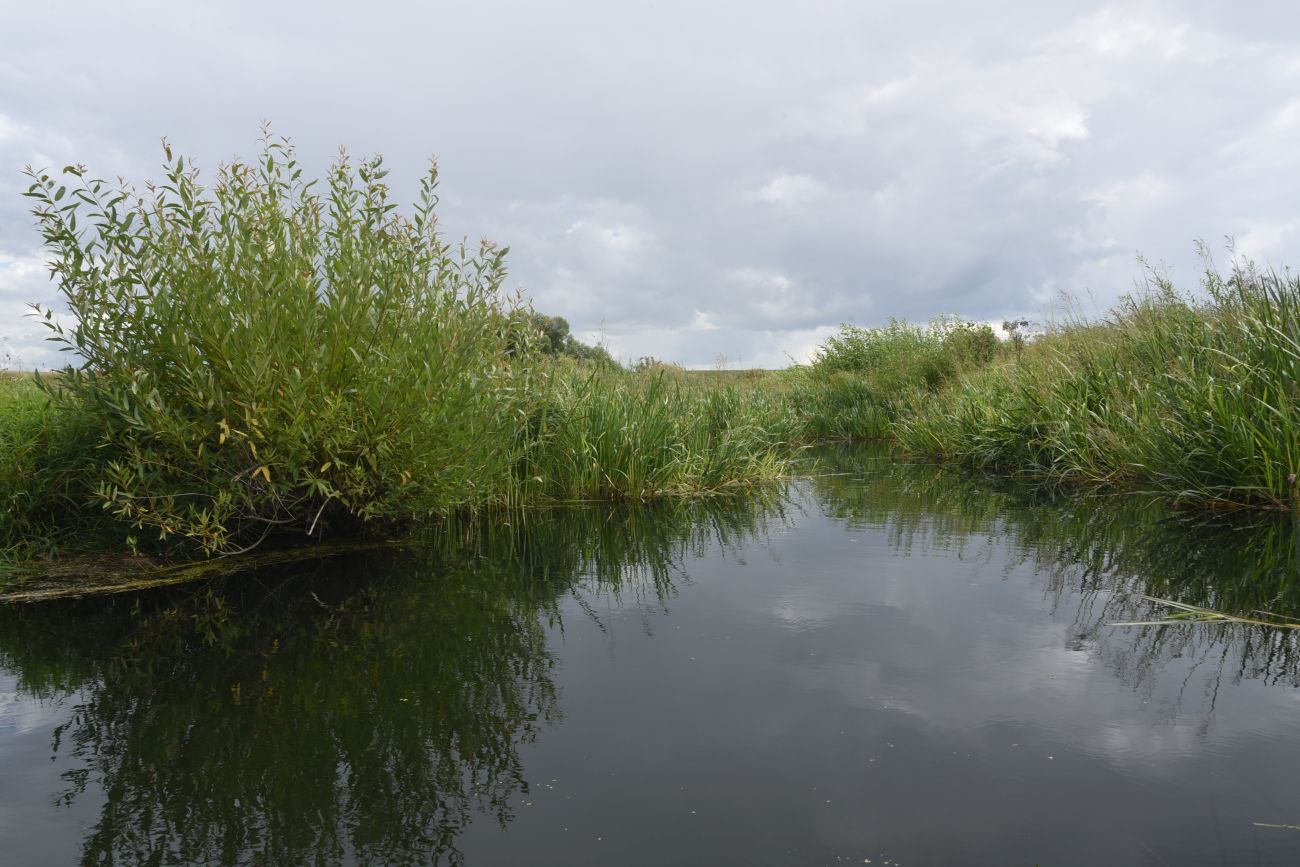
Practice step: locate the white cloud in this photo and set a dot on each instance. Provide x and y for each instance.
(620, 242)
(1287, 118)
(10, 129)
(703, 322)
(791, 190)
(1142, 191)
(1265, 242)
(1056, 123)
(1121, 31)
(760, 278)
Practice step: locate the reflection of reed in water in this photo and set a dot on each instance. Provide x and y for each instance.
(1101, 553)
(313, 715)
(636, 549)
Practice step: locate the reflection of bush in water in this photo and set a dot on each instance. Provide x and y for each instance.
(290, 718)
(1125, 545)
(240, 727)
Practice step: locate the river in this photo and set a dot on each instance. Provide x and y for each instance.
(884, 663)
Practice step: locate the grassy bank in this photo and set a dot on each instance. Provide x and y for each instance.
(261, 355)
(601, 434)
(264, 356)
(865, 378)
(1191, 397)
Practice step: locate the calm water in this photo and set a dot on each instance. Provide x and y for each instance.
(892, 665)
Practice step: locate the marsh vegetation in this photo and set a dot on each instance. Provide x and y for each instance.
(264, 355)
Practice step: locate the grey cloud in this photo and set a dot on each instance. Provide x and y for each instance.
(702, 179)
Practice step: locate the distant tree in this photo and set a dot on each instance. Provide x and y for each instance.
(553, 330)
(556, 340)
(1015, 329)
(596, 354)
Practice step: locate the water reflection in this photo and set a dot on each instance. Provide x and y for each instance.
(363, 709)
(369, 709)
(267, 727)
(1104, 553)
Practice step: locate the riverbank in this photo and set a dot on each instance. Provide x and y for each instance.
(245, 379)
(262, 357)
(1188, 397)
(1193, 397)
(590, 435)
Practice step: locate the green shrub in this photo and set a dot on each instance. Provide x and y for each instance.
(264, 353)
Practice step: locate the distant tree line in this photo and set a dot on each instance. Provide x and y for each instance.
(557, 340)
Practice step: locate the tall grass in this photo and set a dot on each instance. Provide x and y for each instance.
(606, 435)
(45, 451)
(1192, 396)
(1195, 398)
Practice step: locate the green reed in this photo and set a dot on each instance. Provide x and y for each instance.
(864, 377)
(616, 435)
(1194, 398)
(44, 451)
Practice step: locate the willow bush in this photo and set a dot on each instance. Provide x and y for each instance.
(270, 352)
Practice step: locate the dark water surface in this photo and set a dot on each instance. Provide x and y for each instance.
(894, 665)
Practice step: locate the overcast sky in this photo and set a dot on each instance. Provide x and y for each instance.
(696, 180)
